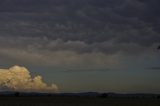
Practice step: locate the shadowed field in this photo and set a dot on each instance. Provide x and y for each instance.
(77, 101)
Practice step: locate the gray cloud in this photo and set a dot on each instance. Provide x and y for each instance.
(110, 47)
(85, 32)
(89, 21)
(154, 68)
(69, 54)
(61, 59)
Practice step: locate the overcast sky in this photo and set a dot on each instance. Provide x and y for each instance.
(84, 45)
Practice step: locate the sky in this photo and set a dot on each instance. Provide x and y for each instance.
(82, 45)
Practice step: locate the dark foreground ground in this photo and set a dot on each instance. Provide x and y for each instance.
(77, 101)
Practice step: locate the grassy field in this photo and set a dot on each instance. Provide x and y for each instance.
(77, 101)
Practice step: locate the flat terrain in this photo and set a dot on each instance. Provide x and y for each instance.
(77, 101)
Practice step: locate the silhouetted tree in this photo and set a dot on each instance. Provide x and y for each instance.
(49, 95)
(17, 94)
(104, 95)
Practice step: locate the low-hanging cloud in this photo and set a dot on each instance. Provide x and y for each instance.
(79, 33)
(58, 53)
(18, 78)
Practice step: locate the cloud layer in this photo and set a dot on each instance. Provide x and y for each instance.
(78, 33)
(18, 78)
(90, 21)
(69, 54)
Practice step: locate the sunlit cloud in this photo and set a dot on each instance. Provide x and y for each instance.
(18, 78)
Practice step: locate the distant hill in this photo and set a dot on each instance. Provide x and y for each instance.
(83, 94)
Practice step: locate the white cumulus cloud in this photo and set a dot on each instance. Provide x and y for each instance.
(18, 78)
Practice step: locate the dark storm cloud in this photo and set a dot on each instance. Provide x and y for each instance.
(81, 26)
(154, 68)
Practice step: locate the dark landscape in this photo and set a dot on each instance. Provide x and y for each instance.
(78, 99)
